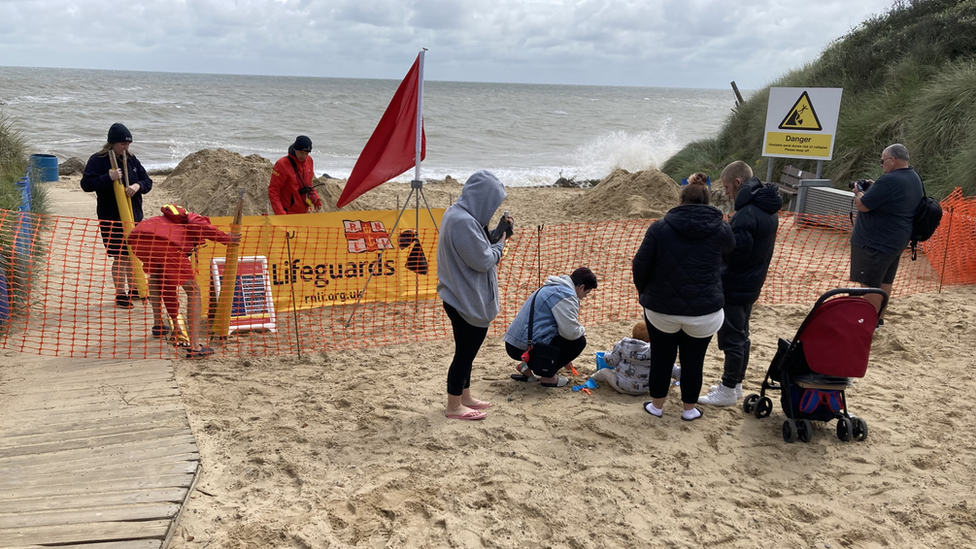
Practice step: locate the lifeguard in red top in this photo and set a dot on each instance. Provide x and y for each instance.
(163, 243)
(290, 190)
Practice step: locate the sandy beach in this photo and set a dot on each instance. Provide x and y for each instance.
(351, 449)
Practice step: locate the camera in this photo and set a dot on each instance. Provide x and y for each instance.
(861, 184)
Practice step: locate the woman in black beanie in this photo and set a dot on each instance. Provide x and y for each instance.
(99, 178)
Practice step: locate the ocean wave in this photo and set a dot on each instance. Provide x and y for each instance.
(627, 150)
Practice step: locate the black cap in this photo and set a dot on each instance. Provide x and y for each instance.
(119, 134)
(303, 143)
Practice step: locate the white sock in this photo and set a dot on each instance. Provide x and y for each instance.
(691, 414)
(654, 411)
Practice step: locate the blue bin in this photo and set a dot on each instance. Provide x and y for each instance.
(45, 166)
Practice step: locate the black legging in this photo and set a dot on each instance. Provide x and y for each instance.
(664, 349)
(569, 349)
(467, 342)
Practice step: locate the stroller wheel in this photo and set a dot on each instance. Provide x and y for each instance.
(860, 428)
(749, 404)
(789, 431)
(764, 407)
(804, 429)
(845, 429)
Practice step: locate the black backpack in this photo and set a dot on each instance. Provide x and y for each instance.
(928, 215)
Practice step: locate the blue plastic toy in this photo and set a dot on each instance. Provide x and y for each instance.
(590, 384)
(600, 363)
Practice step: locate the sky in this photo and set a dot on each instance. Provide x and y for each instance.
(666, 43)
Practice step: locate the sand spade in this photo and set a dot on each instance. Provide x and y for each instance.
(128, 220)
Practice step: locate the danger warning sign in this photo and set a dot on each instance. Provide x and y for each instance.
(802, 116)
(800, 122)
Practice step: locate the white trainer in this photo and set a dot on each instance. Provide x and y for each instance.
(720, 396)
(738, 390)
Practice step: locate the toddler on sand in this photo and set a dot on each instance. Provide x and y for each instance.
(630, 363)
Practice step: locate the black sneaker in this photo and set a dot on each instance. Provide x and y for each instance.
(122, 300)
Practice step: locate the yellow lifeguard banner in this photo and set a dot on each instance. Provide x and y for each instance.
(334, 254)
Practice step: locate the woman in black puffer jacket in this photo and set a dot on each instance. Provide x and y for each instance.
(677, 271)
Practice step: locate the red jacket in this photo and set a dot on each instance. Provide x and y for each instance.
(283, 191)
(185, 230)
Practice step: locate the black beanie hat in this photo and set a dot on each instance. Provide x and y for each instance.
(303, 143)
(119, 134)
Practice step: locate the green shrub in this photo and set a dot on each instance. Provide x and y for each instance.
(21, 258)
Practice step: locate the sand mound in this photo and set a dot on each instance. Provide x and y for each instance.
(208, 182)
(646, 194)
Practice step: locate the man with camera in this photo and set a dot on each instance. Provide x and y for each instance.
(886, 210)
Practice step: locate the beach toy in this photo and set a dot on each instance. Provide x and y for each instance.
(600, 363)
(590, 384)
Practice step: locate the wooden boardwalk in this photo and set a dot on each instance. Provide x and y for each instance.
(94, 454)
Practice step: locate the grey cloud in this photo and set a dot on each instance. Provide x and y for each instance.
(633, 42)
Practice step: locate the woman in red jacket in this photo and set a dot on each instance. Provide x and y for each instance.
(290, 190)
(163, 244)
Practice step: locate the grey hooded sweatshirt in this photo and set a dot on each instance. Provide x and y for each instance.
(467, 262)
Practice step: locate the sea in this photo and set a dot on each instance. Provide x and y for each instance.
(527, 134)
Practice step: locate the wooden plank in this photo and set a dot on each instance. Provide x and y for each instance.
(106, 452)
(26, 482)
(39, 419)
(99, 499)
(81, 533)
(133, 544)
(53, 365)
(182, 481)
(179, 515)
(799, 174)
(49, 477)
(785, 189)
(85, 382)
(99, 371)
(132, 512)
(87, 379)
(164, 454)
(100, 441)
(95, 404)
(66, 390)
(135, 418)
(95, 430)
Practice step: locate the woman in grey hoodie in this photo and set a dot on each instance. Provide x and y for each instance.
(467, 282)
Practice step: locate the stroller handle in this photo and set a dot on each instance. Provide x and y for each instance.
(854, 292)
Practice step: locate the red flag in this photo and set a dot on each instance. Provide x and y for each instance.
(392, 148)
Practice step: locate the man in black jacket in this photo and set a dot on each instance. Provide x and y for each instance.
(754, 224)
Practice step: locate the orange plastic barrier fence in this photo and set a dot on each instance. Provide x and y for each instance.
(58, 296)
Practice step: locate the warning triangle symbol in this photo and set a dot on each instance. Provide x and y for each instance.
(802, 116)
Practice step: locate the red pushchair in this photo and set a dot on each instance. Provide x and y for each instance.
(813, 370)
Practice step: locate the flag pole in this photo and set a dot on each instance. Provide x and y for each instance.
(420, 114)
(416, 186)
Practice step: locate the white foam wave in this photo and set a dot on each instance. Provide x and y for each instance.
(627, 150)
(43, 100)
